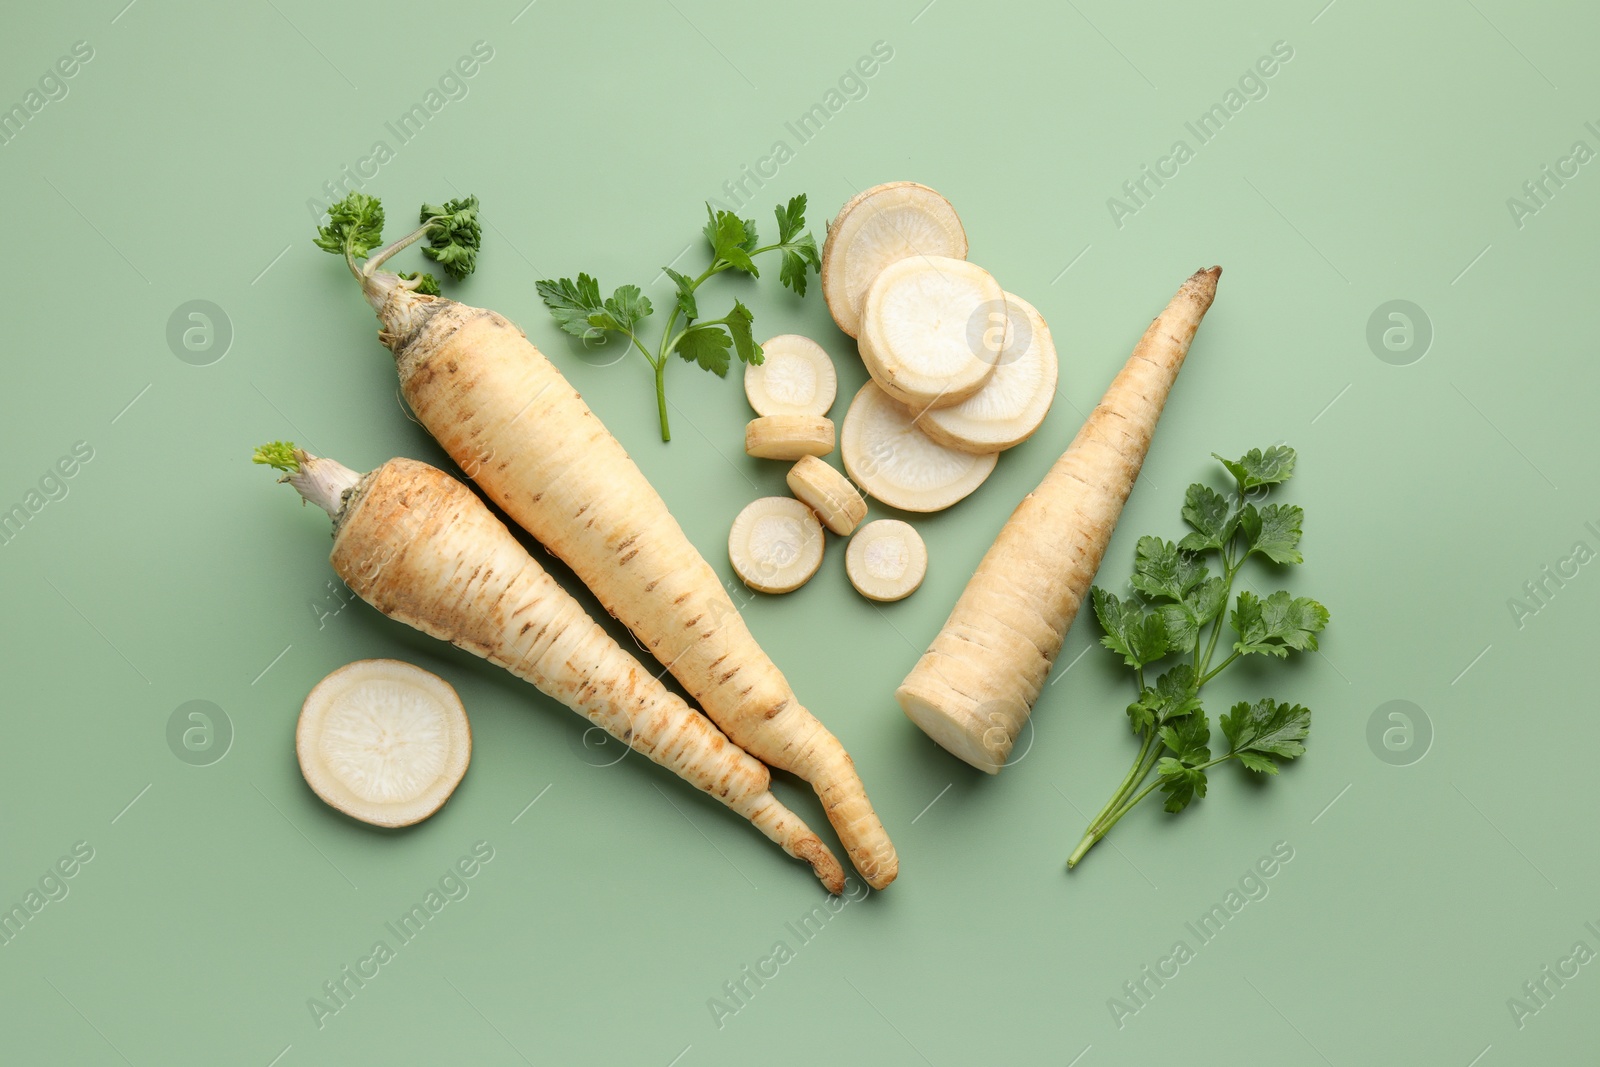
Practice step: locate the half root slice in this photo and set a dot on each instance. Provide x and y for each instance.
(788, 436)
(886, 560)
(794, 377)
(775, 545)
(895, 462)
(932, 330)
(1014, 401)
(383, 741)
(828, 493)
(877, 227)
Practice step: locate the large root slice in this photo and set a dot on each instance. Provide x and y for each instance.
(895, 462)
(877, 227)
(1014, 401)
(383, 741)
(932, 329)
(775, 545)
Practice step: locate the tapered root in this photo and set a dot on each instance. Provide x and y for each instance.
(793, 836)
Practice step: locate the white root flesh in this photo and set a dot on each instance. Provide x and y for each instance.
(877, 227)
(886, 455)
(775, 545)
(794, 377)
(383, 741)
(828, 493)
(788, 436)
(886, 560)
(1014, 402)
(932, 329)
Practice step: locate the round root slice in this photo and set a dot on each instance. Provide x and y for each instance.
(886, 560)
(878, 227)
(383, 741)
(932, 330)
(775, 545)
(1014, 402)
(794, 377)
(828, 493)
(897, 463)
(788, 436)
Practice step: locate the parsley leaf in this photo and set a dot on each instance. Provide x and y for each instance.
(1161, 569)
(1257, 468)
(1277, 624)
(708, 346)
(1183, 775)
(1174, 696)
(427, 284)
(738, 322)
(729, 241)
(1207, 511)
(799, 250)
(685, 286)
(622, 310)
(355, 227)
(1275, 533)
(453, 235)
(1263, 733)
(571, 304)
(1139, 636)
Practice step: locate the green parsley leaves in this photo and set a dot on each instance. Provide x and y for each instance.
(1177, 612)
(355, 229)
(712, 344)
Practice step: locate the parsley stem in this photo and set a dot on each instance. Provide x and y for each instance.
(661, 399)
(1218, 669)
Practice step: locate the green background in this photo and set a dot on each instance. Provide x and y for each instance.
(1377, 167)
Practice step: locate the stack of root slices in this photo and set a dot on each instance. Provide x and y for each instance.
(961, 369)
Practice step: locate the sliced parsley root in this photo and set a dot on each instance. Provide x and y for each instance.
(1178, 613)
(579, 310)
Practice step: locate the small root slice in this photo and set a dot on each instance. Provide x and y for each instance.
(1014, 402)
(886, 560)
(828, 493)
(897, 463)
(383, 741)
(795, 377)
(877, 227)
(775, 545)
(788, 436)
(932, 330)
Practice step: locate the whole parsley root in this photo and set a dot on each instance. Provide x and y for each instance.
(578, 309)
(1177, 614)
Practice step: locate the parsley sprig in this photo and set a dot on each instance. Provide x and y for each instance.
(578, 308)
(1177, 613)
(355, 228)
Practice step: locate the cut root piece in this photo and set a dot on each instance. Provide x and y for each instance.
(383, 741)
(788, 436)
(1014, 402)
(795, 377)
(932, 330)
(775, 545)
(828, 493)
(897, 463)
(886, 560)
(875, 228)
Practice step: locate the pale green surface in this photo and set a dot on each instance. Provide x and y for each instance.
(1377, 168)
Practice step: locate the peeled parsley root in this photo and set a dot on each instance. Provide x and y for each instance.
(775, 544)
(877, 227)
(886, 560)
(1013, 403)
(974, 688)
(788, 436)
(423, 549)
(383, 741)
(503, 411)
(932, 329)
(795, 377)
(828, 493)
(895, 462)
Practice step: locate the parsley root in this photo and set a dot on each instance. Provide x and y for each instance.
(423, 549)
(975, 686)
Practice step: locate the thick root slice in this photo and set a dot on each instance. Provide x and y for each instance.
(788, 436)
(383, 741)
(897, 463)
(775, 545)
(1014, 402)
(886, 560)
(828, 493)
(795, 377)
(877, 227)
(932, 329)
